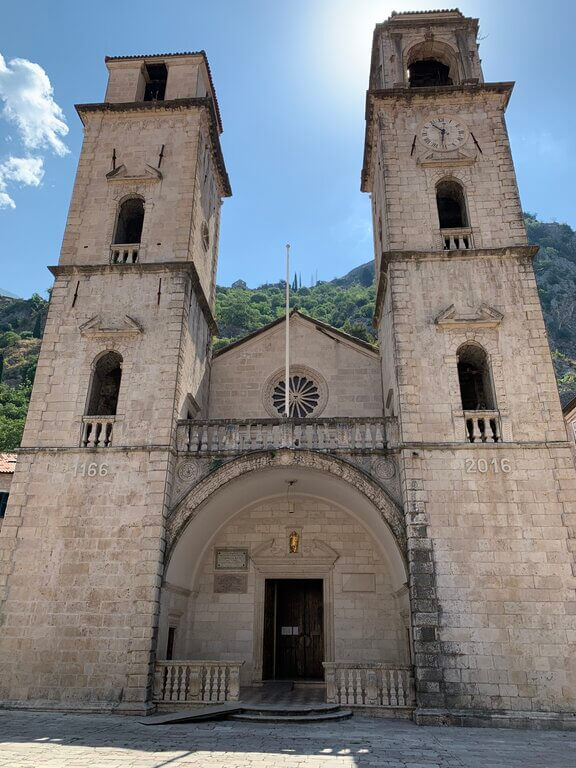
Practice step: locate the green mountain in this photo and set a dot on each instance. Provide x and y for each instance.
(346, 303)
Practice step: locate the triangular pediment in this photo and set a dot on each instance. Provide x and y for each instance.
(313, 556)
(97, 326)
(482, 317)
(309, 322)
(121, 174)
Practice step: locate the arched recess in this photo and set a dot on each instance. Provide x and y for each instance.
(434, 51)
(232, 487)
(204, 623)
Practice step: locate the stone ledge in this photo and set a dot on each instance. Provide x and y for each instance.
(476, 718)
(79, 707)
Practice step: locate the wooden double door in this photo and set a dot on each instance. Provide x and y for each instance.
(293, 629)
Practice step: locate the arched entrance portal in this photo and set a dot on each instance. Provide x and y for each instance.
(283, 565)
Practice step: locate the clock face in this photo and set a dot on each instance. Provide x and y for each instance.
(443, 134)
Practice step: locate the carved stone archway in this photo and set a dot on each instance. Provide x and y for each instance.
(192, 504)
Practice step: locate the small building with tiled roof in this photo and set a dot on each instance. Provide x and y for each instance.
(7, 465)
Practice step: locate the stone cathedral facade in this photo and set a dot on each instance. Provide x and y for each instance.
(405, 538)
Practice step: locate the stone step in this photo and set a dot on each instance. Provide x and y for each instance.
(264, 716)
(286, 709)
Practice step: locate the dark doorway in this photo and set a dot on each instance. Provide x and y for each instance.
(293, 630)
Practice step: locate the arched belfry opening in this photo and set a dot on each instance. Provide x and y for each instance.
(129, 222)
(427, 73)
(475, 380)
(430, 64)
(451, 204)
(105, 385)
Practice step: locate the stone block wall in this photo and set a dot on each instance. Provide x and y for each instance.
(405, 201)
(146, 407)
(493, 576)
(421, 288)
(80, 568)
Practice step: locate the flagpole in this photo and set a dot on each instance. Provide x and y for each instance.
(287, 371)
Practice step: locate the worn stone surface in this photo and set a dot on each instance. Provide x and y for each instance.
(31, 740)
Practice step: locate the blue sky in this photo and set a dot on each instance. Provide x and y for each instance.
(291, 79)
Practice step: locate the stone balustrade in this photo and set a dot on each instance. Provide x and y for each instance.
(125, 254)
(457, 239)
(483, 426)
(235, 436)
(97, 431)
(369, 684)
(188, 682)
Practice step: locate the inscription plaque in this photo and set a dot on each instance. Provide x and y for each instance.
(231, 582)
(231, 560)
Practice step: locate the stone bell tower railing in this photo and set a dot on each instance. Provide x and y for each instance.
(329, 435)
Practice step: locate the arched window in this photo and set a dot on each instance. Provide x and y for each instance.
(451, 205)
(105, 387)
(130, 221)
(427, 73)
(475, 380)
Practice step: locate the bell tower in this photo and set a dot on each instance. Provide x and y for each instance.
(125, 354)
(488, 481)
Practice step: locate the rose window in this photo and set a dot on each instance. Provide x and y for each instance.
(303, 396)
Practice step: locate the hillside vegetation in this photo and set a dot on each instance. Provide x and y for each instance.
(346, 303)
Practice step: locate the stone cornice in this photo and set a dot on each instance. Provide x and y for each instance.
(510, 252)
(437, 94)
(198, 102)
(65, 270)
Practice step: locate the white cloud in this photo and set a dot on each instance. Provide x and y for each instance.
(28, 104)
(28, 171)
(28, 100)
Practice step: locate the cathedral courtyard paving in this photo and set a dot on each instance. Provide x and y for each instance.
(47, 740)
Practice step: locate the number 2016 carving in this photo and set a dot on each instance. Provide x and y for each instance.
(485, 466)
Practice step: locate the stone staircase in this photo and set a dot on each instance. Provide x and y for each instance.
(310, 714)
(273, 702)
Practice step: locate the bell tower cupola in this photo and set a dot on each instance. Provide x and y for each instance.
(425, 49)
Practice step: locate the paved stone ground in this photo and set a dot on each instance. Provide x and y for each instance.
(41, 740)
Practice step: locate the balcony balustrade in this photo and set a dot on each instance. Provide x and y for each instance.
(196, 682)
(125, 254)
(369, 685)
(457, 239)
(239, 436)
(483, 426)
(97, 431)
